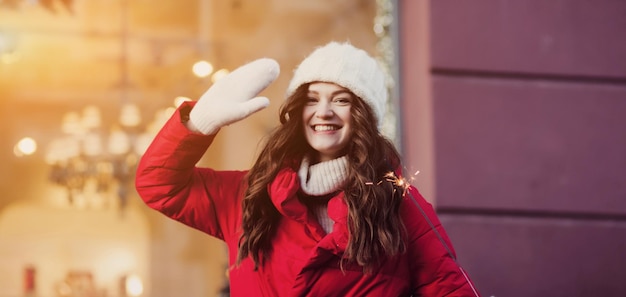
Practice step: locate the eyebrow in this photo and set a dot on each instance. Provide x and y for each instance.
(335, 93)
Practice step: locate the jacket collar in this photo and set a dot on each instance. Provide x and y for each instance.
(283, 193)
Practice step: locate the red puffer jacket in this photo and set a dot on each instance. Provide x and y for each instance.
(304, 260)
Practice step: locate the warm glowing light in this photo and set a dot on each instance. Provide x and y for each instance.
(379, 29)
(26, 146)
(202, 68)
(72, 123)
(134, 286)
(219, 74)
(130, 116)
(91, 117)
(180, 99)
(119, 142)
(92, 144)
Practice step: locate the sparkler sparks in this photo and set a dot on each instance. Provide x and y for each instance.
(397, 181)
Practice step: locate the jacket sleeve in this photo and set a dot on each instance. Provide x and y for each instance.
(168, 180)
(434, 269)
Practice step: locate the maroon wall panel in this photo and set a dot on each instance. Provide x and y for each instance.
(530, 145)
(529, 103)
(568, 37)
(522, 257)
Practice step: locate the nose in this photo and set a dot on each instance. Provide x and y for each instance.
(324, 110)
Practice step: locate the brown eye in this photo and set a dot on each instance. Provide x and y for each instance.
(343, 100)
(311, 100)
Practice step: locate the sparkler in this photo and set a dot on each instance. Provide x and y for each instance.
(399, 182)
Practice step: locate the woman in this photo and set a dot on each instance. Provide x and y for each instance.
(324, 210)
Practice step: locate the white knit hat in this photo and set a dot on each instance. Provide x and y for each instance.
(349, 67)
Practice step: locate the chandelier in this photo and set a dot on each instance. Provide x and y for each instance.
(95, 161)
(96, 164)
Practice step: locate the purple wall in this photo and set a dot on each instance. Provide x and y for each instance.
(561, 37)
(530, 145)
(529, 103)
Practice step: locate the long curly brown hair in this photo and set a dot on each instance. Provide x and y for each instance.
(373, 200)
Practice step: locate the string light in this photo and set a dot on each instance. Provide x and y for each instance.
(25, 146)
(202, 69)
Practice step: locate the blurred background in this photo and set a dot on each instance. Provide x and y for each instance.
(510, 116)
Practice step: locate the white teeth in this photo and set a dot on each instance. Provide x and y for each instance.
(324, 128)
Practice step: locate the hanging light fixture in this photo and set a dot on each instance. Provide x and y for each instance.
(96, 164)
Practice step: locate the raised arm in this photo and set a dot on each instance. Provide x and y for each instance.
(167, 177)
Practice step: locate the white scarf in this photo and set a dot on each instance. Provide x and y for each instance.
(324, 177)
(321, 179)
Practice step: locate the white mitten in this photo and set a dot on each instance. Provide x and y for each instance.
(232, 98)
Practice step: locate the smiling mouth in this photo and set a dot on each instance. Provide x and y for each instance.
(321, 128)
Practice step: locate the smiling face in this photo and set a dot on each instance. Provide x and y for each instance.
(327, 119)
